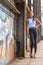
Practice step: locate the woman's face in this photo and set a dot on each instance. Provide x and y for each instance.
(31, 14)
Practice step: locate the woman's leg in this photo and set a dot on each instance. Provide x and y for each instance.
(31, 42)
(31, 49)
(35, 50)
(35, 44)
(33, 38)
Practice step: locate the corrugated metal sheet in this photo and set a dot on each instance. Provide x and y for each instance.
(19, 1)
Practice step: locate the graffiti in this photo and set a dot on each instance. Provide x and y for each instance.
(6, 29)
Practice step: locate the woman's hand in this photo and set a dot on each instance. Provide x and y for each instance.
(28, 32)
(28, 36)
(37, 27)
(38, 24)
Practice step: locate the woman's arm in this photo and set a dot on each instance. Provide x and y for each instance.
(38, 23)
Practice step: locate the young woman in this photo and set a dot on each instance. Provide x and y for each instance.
(32, 33)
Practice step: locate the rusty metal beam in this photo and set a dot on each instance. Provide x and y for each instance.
(1, 1)
(7, 3)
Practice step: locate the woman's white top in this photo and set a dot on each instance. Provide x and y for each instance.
(31, 23)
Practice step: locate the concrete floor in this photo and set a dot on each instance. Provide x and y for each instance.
(28, 61)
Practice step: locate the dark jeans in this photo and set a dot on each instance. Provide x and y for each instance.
(33, 39)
